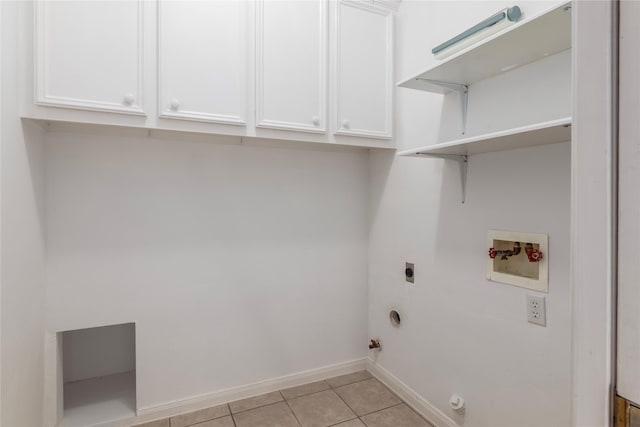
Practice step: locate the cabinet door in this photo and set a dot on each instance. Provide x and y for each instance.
(203, 60)
(364, 71)
(89, 55)
(291, 65)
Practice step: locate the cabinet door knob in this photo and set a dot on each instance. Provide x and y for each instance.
(128, 99)
(174, 104)
(315, 120)
(346, 124)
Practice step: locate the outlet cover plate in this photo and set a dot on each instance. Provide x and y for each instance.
(536, 310)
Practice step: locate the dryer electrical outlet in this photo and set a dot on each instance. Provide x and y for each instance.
(409, 271)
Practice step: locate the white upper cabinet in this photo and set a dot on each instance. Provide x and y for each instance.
(89, 55)
(291, 64)
(202, 60)
(364, 71)
(317, 71)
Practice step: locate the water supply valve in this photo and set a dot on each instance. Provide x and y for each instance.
(375, 344)
(534, 255)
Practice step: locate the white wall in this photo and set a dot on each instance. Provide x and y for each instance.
(237, 263)
(22, 243)
(96, 352)
(460, 333)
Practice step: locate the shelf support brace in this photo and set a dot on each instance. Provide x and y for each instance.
(463, 162)
(463, 91)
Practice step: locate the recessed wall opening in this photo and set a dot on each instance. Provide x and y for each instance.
(98, 371)
(394, 317)
(518, 259)
(515, 265)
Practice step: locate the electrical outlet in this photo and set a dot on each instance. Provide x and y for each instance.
(536, 310)
(408, 272)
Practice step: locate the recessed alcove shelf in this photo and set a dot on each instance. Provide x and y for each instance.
(99, 375)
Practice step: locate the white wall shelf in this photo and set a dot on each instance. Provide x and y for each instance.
(523, 43)
(544, 133)
(99, 401)
(551, 132)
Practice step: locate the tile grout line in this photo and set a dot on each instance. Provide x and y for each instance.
(286, 402)
(323, 391)
(233, 420)
(398, 404)
(205, 421)
(384, 409)
(331, 388)
(354, 382)
(345, 421)
(306, 394)
(402, 402)
(330, 425)
(255, 407)
(281, 395)
(350, 408)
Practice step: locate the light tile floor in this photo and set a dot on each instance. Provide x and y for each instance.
(353, 400)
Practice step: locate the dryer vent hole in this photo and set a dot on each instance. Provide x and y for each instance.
(394, 316)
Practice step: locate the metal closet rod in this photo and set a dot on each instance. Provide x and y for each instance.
(511, 13)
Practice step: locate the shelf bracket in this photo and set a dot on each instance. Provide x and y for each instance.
(463, 162)
(463, 91)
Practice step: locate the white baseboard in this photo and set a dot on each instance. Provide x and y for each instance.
(413, 399)
(177, 407)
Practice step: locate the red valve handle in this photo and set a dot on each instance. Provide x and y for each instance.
(534, 255)
(493, 253)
